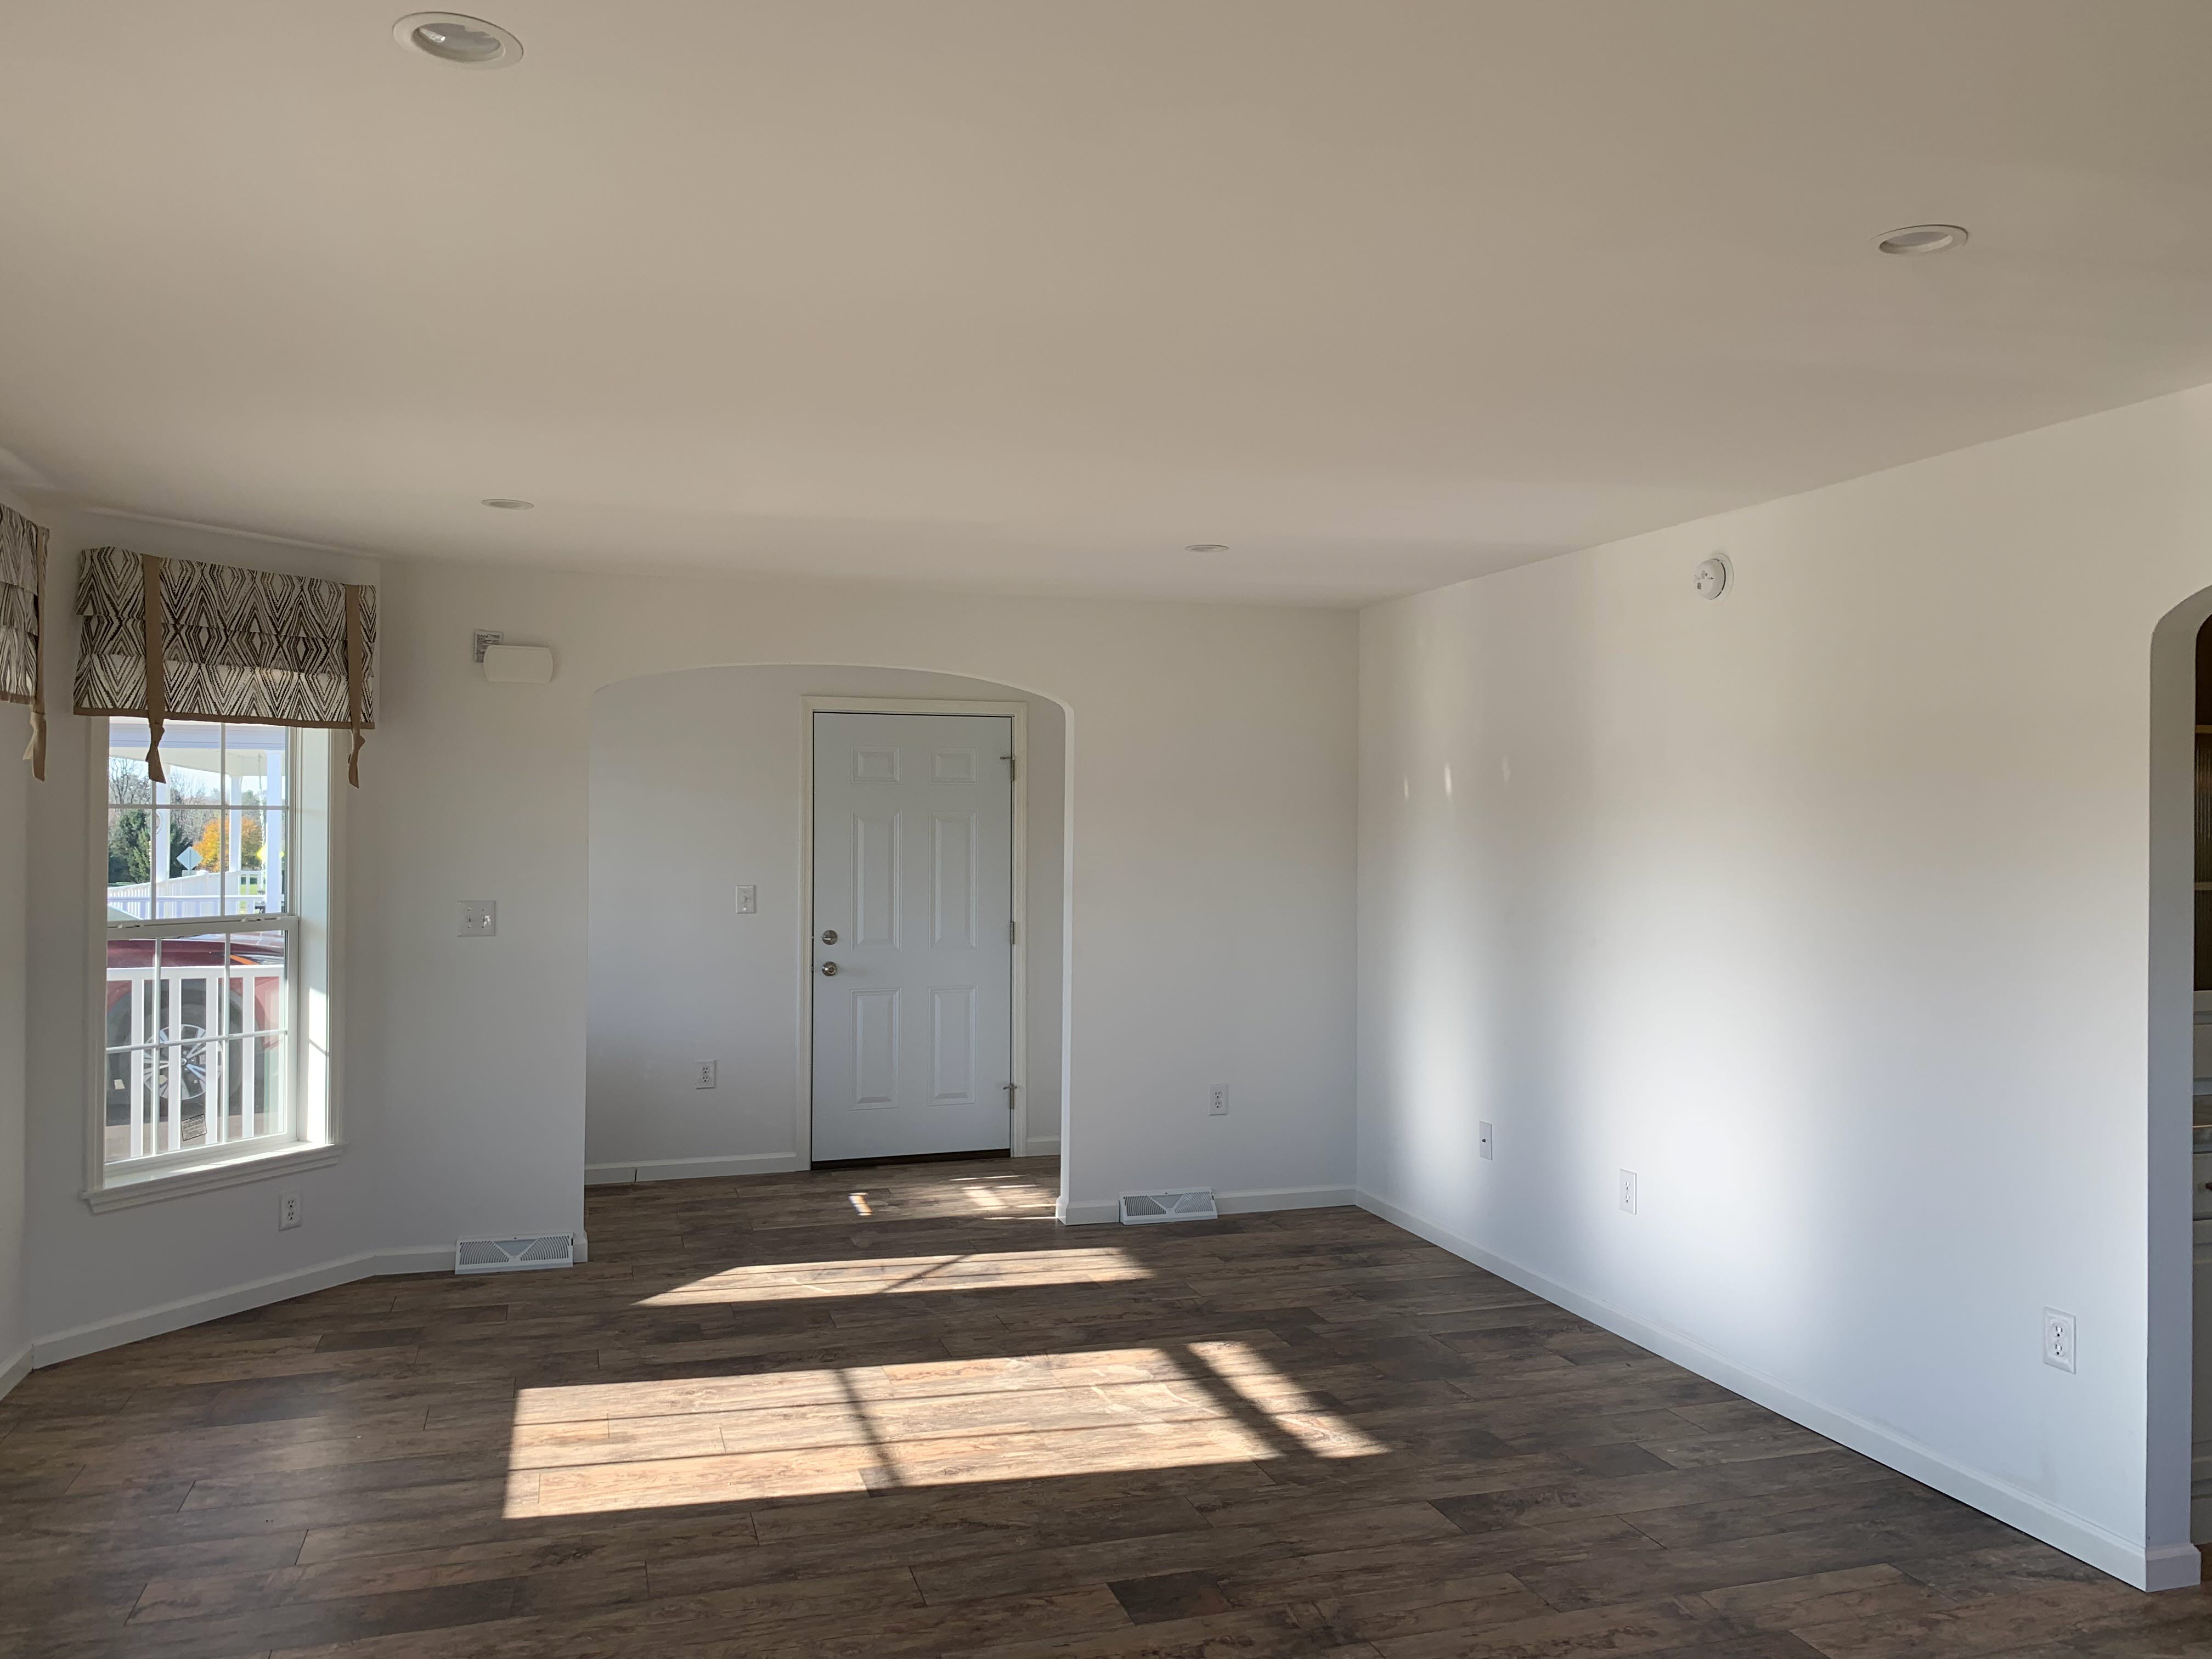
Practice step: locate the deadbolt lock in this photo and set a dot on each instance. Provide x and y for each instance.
(829, 935)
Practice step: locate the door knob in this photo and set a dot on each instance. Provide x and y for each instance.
(829, 935)
(830, 968)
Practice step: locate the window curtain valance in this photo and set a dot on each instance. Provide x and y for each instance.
(221, 642)
(22, 584)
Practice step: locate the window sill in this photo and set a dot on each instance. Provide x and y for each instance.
(180, 1183)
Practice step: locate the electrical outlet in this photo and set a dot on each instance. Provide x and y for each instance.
(706, 1079)
(1217, 1101)
(748, 901)
(2058, 1338)
(479, 918)
(1628, 1191)
(287, 1212)
(1482, 1141)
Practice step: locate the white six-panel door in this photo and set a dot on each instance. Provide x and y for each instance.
(914, 876)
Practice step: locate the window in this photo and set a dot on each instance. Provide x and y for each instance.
(216, 940)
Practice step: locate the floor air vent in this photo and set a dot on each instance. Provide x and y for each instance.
(513, 1256)
(1137, 1207)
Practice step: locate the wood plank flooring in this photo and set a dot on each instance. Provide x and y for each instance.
(900, 1413)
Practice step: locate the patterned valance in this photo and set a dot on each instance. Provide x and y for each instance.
(221, 642)
(22, 585)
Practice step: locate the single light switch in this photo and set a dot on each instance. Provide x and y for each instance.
(748, 901)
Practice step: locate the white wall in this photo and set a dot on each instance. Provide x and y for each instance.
(1210, 800)
(696, 784)
(1825, 908)
(1209, 792)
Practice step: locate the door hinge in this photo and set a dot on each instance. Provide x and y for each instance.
(1010, 1087)
(1010, 934)
(1013, 767)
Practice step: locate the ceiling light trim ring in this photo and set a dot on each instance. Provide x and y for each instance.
(1908, 241)
(474, 44)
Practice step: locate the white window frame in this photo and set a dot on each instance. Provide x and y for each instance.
(311, 1136)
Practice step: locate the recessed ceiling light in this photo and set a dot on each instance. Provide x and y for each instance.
(508, 503)
(1923, 238)
(453, 37)
(1207, 547)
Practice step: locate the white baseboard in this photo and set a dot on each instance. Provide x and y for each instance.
(1087, 1212)
(1284, 1198)
(15, 1370)
(2166, 1566)
(80, 1339)
(1041, 1146)
(692, 1168)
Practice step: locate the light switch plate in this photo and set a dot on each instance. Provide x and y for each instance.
(1482, 1141)
(748, 901)
(479, 918)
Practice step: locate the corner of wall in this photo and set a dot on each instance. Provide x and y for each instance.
(15, 784)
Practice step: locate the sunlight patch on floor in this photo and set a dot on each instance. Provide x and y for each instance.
(1244, 1373)
(795, 1281)
(593, 1448)
(985, 1192)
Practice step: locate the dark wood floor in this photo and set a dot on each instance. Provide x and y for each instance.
(900, 1413)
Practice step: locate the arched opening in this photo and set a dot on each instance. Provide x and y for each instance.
(2178, 1487)
(703, 1049)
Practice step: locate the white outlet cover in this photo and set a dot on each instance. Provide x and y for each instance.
(1628, 1191)
(706, 1078)
(2058, 1348)
(287, 1210)
(1217, 1101)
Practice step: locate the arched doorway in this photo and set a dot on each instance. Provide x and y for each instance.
(698, 793)
(2178, 1427)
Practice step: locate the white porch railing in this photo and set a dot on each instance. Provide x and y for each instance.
(199, 894)
(177, 1077)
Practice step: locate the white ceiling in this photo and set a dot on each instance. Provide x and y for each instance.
(1027, 293)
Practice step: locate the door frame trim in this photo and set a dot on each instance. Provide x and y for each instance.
(1017, 1129)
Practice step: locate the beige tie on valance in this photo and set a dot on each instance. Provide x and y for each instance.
(23, 592)
(221, 642)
